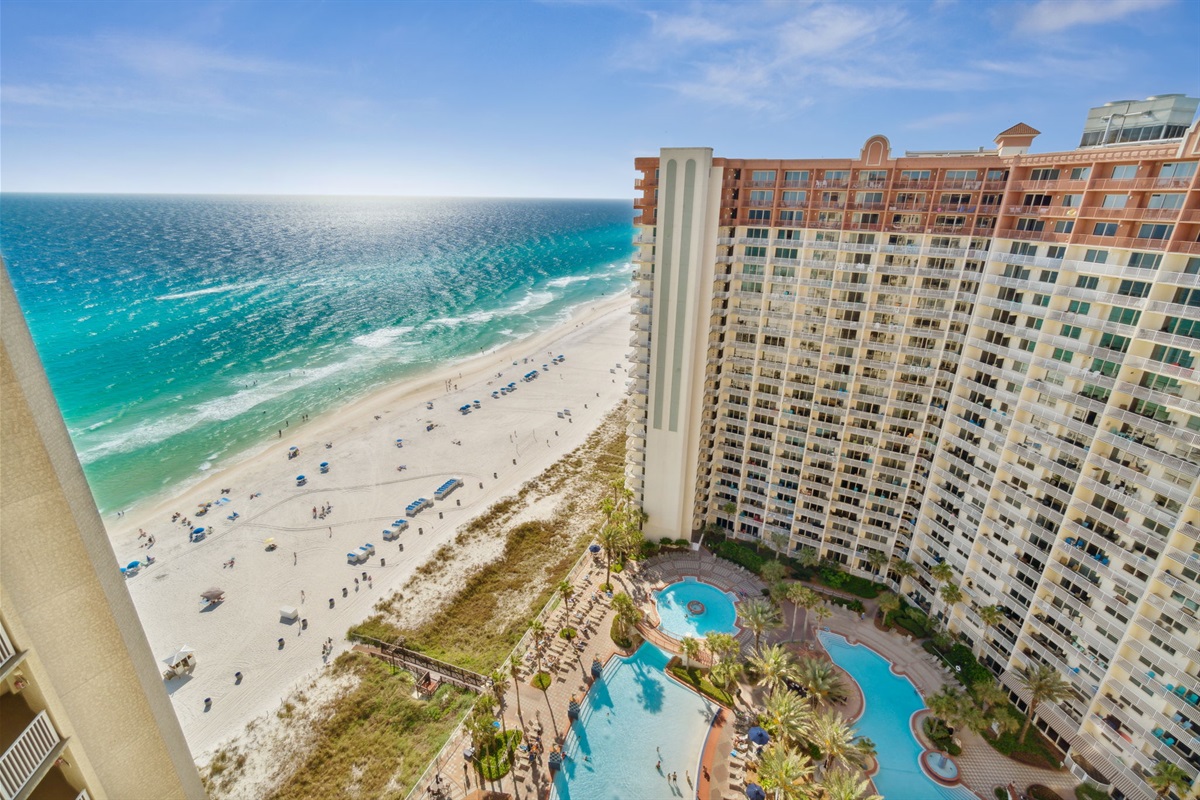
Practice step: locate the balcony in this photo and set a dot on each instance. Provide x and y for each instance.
(31, 745)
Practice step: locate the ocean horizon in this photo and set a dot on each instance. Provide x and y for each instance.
(179, 332)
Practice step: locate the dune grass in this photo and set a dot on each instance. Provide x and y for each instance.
(376, 739)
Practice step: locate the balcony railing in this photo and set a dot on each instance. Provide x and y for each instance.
(22, 761)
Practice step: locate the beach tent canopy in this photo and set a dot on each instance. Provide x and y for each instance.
(213, 594)
(758, 735)
(181, 653)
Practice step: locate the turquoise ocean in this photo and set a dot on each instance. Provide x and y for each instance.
(179, 333)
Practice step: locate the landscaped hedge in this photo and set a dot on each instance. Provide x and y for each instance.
(1085, 791)
(845, 602)
(740, 554)
(1039, 792)
(971, 672)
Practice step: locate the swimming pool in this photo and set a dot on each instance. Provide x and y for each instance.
(890, 701)
(630, 718)
(716, 612)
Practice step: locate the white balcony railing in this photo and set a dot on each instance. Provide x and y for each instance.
(26, 755)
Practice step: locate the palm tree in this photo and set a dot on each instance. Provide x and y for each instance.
(779, 541)
(990, 616)
(690, 649)
(565, 589)
(1044, 684)
(889, 602)
(725, 673)
(786, 717)
(808, 557)
(772, 574)
(950, 594)
(514, 671)
(945, 704)
(846, 785)
(759, 616)
(876, 558)
(774, 666)
(722, 645)
(610, 538)
(795, 593)
(787, 772)
(942, 572)
(836, 739)
(628, 615)
(538, 629)
(499, 691)
(822, 613)
(903, 569)
(1166, 778)
(989, 694)
(820, 680)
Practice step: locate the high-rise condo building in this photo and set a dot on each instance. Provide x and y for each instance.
(83, 712)
(975, 358)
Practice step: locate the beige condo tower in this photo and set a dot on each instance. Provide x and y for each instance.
(978, 358)
(83, 711)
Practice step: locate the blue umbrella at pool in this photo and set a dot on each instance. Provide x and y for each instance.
(134, 565)
(758, 735)
(594, 548)
(755, 792)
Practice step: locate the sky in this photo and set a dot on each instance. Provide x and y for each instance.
(543, 99)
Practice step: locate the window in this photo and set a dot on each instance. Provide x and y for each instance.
(788, 235)
(997, 174)
(794, 198)
(1110, 341)
(790, 216)
(1096, 256)
(1048, 276)
(961, 174)
(1124, 172)
(914, 174)
(869, 197)
(1043, 175)
(1036, 200)
(1153, 231)
(1105, 229)
(1023, 249)
(1193, 266)
(1042, 300)
(755, 252)
(1145, 260)
(1166, 201)
(763, 176)
(762, 196)
(1187, 297)
(873, 175)
(1056, 251)
(1114, 201)
(1078, 307)
(1030, 224)
(1062, 355)
(760, 215)
(796, 176)
(758, 233)
(1064, 226)
(787, 253)
(1125, 316)
(1086, 282)
(836, 174)
(1081, 173)
(1072, 200)
(1106, 368)
(991, 199)
(1134, 288)
(1071, 331)
(1182, 169)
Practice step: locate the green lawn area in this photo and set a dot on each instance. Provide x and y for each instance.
(493, 759)
(698, 680)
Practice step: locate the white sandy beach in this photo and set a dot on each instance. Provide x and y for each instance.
(367, 493)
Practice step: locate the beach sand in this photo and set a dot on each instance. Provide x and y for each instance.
(366, 492)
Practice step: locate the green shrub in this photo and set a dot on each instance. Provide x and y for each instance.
(664, 540)
(1085, 791)
(1001, 793)
(833, 577)
(971, 671)
(698, 680)
(861, 586)
(912, 626)
(845, 602)
(682, 543)
(494, 763)
(617, 569)
(541, 681)
(1039, 792)
(741, 555)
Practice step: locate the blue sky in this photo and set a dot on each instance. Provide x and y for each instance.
(545, 99)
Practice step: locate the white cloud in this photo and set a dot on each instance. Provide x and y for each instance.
(1053, 16)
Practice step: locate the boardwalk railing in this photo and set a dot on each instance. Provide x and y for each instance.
(416, 662)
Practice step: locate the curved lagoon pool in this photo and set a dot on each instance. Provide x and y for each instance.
(633, 715)
(712, 611)
(890, 701)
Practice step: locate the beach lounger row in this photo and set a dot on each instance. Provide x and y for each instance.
(360, 555)
(417, 506)
(393, 533)
(446, 488)
(529, 376)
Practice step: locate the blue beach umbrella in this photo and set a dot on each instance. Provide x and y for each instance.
(133, 565)
(755, 792)
(595, 548)
(198, 530)
(758, 736)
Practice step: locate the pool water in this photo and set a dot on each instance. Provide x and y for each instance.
(628, 718)
(890, 701)
(719, 614)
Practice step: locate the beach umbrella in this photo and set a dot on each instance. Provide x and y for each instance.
(133, 565)
(293, 447)
(758, 736)
(595, 548)
(324, 463)
(181, 652)
(299, 477)
(213, 595)
(197, 530)
(755, 792)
